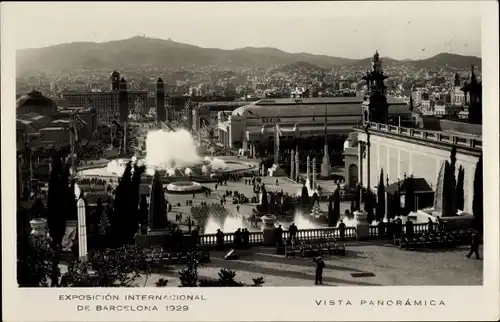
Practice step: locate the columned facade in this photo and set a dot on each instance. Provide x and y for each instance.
(404, 151)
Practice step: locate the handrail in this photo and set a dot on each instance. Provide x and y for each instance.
(455, 138)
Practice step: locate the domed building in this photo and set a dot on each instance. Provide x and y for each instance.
(35, 102)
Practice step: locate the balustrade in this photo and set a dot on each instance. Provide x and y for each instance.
(430, 135)
(317, 234)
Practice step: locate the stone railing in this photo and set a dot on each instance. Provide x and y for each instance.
(256, 238)
(211, 239)
(417, 228)
(442, 137)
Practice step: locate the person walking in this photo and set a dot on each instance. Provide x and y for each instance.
(320, 266)
(474, 245)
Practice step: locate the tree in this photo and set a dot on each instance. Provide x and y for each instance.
(226, 277)
(59, 206)
(449, 186)
(410, 196)
(380, 211)
(157, 207)
(119, 218)
(56, 219)
(34, 261)
(369, 204)
(477, 201)
(357, 198)
(109, 268)
(459, 191)
(304, 200)
(143, 211)
(336, 206)
(331, 219)
(264, 203)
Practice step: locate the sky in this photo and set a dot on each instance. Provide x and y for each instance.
(400, 30)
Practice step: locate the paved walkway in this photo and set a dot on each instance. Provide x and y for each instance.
(390, 265)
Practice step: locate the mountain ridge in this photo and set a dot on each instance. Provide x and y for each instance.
(136, 52)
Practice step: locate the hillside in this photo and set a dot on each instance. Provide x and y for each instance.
(137, 52)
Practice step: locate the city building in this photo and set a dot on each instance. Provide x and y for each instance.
(107, 104)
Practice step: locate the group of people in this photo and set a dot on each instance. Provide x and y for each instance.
(241, 238)
(292, 231)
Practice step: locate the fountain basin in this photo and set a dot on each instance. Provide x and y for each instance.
(184, 187)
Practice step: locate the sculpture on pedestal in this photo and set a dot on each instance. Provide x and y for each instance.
(325, 165)
(314, 174)
(297, 164)
(308, 169)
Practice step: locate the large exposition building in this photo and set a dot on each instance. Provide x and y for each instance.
(297, 118)
(401, 152)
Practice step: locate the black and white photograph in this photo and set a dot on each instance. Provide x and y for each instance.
(180, 145)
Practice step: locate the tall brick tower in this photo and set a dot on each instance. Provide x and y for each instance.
(160, 102)
(115, 81)
(123, 101)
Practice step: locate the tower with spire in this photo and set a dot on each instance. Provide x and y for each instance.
(114, 81)
(474, 91)
(123, 101)
(160, 102)
(325, 164)
(375, 106)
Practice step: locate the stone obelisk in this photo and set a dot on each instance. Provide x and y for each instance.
(314, 175)
(82, 230)
(326, 167)
(292, 165)
(308, 169)
(296, 165)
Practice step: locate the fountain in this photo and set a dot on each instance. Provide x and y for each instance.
(174, 154)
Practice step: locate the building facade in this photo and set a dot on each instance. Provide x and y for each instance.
(107, 104)
(401, 152)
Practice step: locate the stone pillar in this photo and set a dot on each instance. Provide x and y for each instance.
(314, 174)
(292, 165)
(297, 165)
(308, 168)
(268, 230)
(360, 163)
(368, 163)
(39, 227)
(263, 171)
(82, 230)
(362, 226)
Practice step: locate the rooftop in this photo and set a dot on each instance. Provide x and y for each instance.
(296, 107)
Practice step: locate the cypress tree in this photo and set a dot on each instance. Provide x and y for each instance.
(56, 220)
(60, 199)
(380, 211)
(459, 191)
(336, 206)
(331, 219)
(410, 196)
(143, 211)
(157, 207)
(264, 203)
(369, 198)
(305, 200)
(477, 201)
(119, 218)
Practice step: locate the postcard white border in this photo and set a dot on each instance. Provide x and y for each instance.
(276, 304)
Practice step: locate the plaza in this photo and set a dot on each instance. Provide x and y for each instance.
(389, 265)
